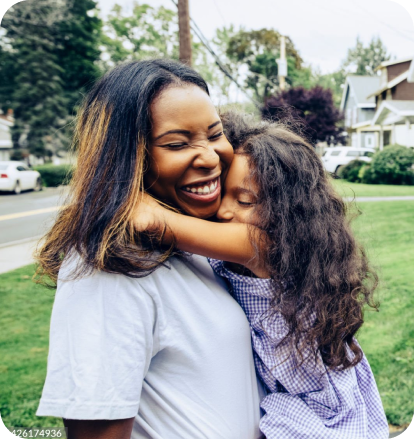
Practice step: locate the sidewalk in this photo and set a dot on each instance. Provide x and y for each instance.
(17, 254)
(395, 198)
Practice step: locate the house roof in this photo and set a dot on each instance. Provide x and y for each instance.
(391, 84)
(360, 87)
(394, 112)
(393, 62)
(5, 120)
(411, 72)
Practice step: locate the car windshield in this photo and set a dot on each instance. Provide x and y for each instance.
(3, 167)
(335, 153)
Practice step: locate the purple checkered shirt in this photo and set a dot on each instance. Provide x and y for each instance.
(307, 401)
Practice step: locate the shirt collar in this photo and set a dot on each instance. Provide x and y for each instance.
(243, 284)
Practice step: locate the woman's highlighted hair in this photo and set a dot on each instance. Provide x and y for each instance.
(112, 135)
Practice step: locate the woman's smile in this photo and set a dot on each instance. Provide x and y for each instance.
(206, 191)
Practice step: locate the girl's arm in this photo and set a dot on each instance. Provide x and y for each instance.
(230, 242)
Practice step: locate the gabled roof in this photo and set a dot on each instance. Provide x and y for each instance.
(391, 112)
(360, 87)
(391, 84)
(5, 120)
(411, 72)
(392, 63)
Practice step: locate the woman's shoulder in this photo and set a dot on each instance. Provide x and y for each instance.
(74, 275)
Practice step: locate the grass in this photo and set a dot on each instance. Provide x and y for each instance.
(387, 337)
(387, 230)
(347, 189)
(24, 332)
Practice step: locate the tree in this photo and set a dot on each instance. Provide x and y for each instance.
(150, 32)
(40, 108)
(147, 32)
(8, 73)
(258, 50)
(77, 42)
(313, 110)
(363, 60)
(334, 81)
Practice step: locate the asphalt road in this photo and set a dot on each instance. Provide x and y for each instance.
(29, 214)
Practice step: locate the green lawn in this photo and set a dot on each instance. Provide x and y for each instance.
(24, 331)
(387, 337)
(347, 189)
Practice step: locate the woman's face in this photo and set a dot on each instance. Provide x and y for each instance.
(240, 193)
(188, 151)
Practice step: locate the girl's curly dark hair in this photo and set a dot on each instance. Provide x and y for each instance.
(310, 242)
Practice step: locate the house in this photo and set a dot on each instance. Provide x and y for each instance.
(359, 110)
(6, 144)
(395, 103)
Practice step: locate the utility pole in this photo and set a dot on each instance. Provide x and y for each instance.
(282, 64)
(184, 32)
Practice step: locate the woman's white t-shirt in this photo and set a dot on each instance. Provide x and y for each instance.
(171, 349)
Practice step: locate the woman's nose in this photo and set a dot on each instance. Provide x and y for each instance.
(224, 213)
(207, 156)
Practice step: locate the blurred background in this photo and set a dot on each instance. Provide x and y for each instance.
(341, 72)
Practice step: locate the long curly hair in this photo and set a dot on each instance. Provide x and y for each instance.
(112, 136)
(321, 275)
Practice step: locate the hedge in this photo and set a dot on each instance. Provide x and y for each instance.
(351, 171)
(55, 175)
(393, 165)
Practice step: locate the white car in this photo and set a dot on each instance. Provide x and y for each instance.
(16, 177)
(338, 156)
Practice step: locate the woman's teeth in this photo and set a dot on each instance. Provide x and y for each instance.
(203, 190)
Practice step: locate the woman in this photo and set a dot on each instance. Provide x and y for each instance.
(142, 340)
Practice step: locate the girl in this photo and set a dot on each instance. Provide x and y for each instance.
(303, 282)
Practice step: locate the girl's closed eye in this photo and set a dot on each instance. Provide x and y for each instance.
(245, 203)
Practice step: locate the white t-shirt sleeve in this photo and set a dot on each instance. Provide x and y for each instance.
(103, 334)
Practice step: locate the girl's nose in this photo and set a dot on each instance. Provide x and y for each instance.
(224, 213)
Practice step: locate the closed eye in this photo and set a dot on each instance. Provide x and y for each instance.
(216, 136)
(245, 203)
(174, 145)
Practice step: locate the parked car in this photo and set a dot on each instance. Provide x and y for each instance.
(334, 158)
(16, 177)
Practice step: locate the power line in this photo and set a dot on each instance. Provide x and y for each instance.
(197, 31)
(398, 31)
(219, 11)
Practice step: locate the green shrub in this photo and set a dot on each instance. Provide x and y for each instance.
(350, 171)
(55, 175)
(392, 165)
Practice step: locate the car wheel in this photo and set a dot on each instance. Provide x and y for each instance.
(338, 168)
(17, 188)
(38, 186)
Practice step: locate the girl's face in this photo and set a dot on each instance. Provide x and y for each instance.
(188, 152)
(240, 193)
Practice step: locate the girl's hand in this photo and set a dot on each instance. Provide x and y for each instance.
(149, 215)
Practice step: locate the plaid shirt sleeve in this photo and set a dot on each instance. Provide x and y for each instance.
(306, 400)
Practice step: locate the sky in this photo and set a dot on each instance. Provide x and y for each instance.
(321, 30)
